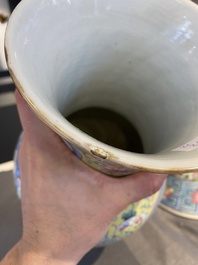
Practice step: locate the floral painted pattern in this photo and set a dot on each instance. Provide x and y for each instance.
(131, 219)
(195, 197)
(107, 167)
(168, 192)
(181, 195)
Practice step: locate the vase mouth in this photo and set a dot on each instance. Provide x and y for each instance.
(163, 158)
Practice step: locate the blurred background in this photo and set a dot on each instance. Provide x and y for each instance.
(165, 239)
(9, 121)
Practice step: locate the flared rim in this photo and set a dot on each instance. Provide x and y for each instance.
(145, 162)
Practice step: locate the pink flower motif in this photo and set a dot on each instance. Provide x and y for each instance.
(168, 192)
(195, 197)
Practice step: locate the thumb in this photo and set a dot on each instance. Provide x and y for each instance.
(33, 127)
(135, 187)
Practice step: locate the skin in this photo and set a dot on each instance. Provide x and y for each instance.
(66, 205)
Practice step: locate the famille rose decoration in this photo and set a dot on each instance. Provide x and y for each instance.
(181, 195)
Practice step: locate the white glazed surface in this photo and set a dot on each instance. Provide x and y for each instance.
(136, 57)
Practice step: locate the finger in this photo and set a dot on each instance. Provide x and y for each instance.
(134, 188)
(33, 127)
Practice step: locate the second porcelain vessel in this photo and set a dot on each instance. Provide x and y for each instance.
(181, 195)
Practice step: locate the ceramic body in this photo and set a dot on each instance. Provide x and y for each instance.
(125, 224)
(138, 58)
(181, 195)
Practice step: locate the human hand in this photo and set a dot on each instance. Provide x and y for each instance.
(66, 205)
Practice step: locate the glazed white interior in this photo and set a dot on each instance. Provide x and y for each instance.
(129, 56)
